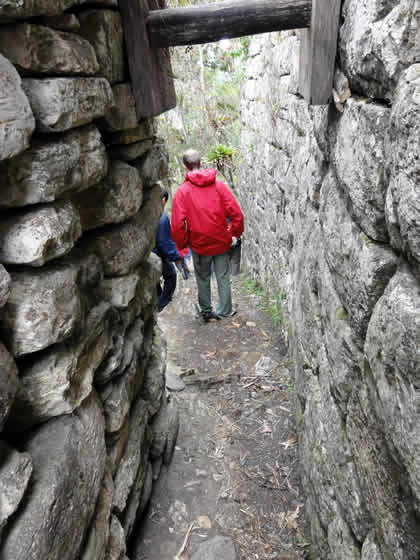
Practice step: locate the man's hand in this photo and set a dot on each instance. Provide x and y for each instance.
(234, 241)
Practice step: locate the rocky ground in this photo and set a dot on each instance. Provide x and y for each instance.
(234, 472)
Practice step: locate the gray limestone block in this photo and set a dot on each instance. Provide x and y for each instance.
(118, 402)
(377, 41)
(40, 49)
(120, 291)
(380, 475)
(116, 548)
(154, 378)
(154, 165)
(62, 22)
(144, 131)
(142, 485)
(359, 159)
(329, 468)
(38, 235)
(370, 549)
(403, 195)
(173, 429)
(16, 118)
(13, 9)
(9, 383)
(122, 248)
(98, 536)
(392, 349)
(145, 299)
(115, 200)
(126, 473)
(4, 285)
(50, 168)
(63, 103)
(159, 428)
(115, 443)
(103, 29)
(146, 492)
(360, 268)
(68, 455)
(58, 380)
(215, 548)
(43, 308)
(343, 545)
(130, 152)
(15, 473)
(345, 354)
(123, 114)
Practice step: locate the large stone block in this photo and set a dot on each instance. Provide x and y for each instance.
(403, 196)
(154, 379)
(98, 537)
(36, 48)
(62, 22)
(123, 248)
(9, 383)
(70, 162)
(154, 165)
(12, 9)
(127, 471)
(15, 472)
(16, 119)
(380, 475)
(38, 235)
(123, 114)
(370, 549)
(116, 544)
(115, 200)
(103, 29)
(43, 308)
(360, 268)
(377, 40)
(392, 348)
(68, 455)
(120, 291)
(4, 285)
(141, 490)
(63, 103)
(144, 131)
(342, 543)
(61, 378)
(359, 159)
(130, 152)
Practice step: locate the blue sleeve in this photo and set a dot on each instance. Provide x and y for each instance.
(165, 245)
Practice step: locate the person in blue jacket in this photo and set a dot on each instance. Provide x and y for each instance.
(166, 249)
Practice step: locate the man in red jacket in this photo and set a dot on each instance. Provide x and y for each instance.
(206, 217)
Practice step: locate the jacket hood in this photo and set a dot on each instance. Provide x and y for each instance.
(201, 177)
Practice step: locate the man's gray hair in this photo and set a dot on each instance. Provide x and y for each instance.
(191, 159)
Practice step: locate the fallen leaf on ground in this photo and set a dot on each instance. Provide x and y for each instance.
(292, 517)
(237, 325)
(289, 443)
(204, 522)
(251, 324)
(266, 429)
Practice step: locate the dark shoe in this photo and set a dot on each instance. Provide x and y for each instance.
(209, 316)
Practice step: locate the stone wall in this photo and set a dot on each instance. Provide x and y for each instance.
(332, 204)
(83, 407)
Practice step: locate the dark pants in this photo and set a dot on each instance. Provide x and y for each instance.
(169, 284)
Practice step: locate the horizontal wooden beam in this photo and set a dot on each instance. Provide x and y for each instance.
(223, 20)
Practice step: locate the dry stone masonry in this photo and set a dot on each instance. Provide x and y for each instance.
(85, 423)
(332, 200)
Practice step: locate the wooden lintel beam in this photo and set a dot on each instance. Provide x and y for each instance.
(222, 20)
(318, 46)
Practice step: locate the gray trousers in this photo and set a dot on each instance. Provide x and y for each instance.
(203, 271)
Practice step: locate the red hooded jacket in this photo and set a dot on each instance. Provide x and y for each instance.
(205, 214)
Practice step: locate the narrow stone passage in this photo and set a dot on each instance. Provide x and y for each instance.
(235, 471)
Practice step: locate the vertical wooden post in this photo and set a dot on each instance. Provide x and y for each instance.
(317, 52)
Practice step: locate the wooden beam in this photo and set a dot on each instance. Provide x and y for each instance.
(150, 69)
(222, 20)
(317, 52)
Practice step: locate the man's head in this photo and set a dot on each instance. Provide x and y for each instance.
(191, 160)
(165, 196)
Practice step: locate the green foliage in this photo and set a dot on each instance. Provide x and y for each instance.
(220, 154)
(274, 306)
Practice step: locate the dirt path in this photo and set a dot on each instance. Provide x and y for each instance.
(234, 470)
